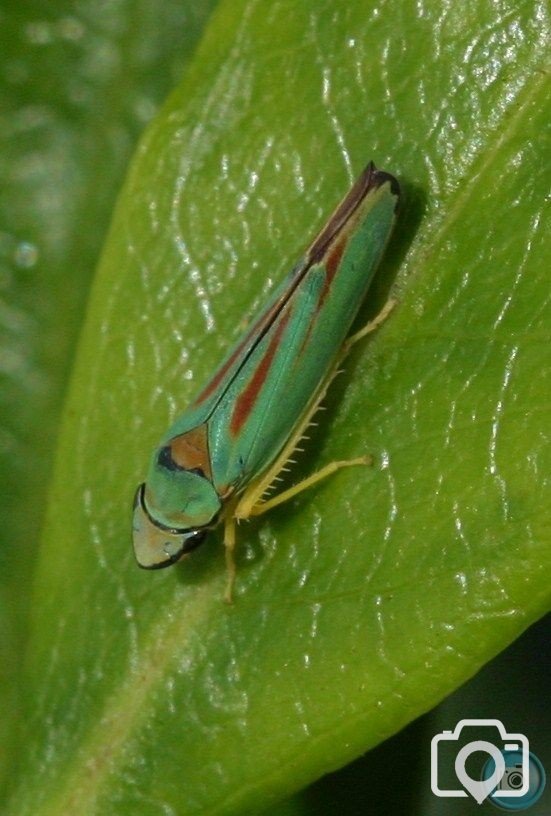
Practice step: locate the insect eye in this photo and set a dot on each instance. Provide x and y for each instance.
(194, 540)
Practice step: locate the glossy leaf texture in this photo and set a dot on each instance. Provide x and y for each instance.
(364, 603)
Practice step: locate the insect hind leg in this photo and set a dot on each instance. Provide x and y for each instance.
(370, 327)
(229, 544)
(251, 503)
(318, 475)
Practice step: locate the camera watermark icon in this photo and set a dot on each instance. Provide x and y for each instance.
(511, 778)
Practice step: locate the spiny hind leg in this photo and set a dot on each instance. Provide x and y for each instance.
(304, 484)
(251, 502)
(253, 496)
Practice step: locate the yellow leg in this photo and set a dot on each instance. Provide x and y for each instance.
(369, 327)
(250, 503)
(304, 484)
(229, 543)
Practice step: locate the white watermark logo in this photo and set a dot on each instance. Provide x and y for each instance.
(511, 777)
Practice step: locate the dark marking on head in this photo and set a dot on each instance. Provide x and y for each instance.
(165, 460)
(140, 500)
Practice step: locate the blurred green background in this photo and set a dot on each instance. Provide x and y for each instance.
(78, 86)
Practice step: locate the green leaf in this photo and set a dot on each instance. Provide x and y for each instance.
(365, 602)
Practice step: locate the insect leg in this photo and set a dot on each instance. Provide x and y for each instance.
(368, 328)
(229, 544)
(260, 508)
(251, 503)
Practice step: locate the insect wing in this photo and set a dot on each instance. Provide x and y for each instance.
(282, 373)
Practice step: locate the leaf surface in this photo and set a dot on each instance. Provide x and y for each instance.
(365, 602)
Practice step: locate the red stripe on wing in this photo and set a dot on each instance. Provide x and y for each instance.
(257, 328)
(331, 268)
(245, 402)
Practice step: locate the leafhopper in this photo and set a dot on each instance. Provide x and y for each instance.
(217, 461)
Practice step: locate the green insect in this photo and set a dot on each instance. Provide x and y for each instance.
(216, 462)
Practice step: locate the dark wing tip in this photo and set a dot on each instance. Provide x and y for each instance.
(369, 179)
(375, 178)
